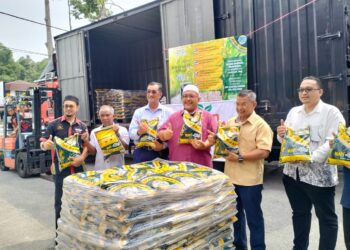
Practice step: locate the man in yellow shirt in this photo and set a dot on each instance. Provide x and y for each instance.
(246, 170)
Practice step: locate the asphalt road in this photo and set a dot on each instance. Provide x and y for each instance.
(27, 214)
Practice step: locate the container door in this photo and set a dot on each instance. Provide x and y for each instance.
(288, 41)
(71, 67)
(185, 22)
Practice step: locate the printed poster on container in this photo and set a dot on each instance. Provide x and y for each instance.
(217, 67)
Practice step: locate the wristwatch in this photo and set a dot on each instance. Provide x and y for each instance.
(240, 158)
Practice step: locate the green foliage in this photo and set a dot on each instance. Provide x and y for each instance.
(22, 69)
(92, 10)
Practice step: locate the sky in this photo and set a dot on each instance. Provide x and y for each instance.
(23, 35)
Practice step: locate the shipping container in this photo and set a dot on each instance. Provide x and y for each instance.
(128, 50)
(288, 40)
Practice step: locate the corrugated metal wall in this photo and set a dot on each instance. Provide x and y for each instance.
(310, 41)
(72, 70)
(186, 22)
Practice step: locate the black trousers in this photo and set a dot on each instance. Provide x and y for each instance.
(143, 154)
(346, 225)
(302, 197)
(58, 179)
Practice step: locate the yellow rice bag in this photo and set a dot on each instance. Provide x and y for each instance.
(226, 139)
(191, 128)
(340, 151)
(296, 146)
(109, 142)
(148, 139)
(65, 149)
(160, 181)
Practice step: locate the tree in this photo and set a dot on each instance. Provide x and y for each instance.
(29, 70)
(8, 67)
(22, 69)
(93, 10)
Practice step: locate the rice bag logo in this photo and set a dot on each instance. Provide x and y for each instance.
(242, 40)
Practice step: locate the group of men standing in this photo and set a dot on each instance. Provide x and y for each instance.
(307, 185)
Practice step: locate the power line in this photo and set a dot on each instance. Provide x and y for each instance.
(29, 52)
(26, 51)
(32, 21)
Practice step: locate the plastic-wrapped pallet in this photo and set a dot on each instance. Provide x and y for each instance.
(124, 102)
(152, 205)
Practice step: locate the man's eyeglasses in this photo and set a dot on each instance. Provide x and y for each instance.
(189, 96)
(152, 91)
(68, 106)
(306, 90)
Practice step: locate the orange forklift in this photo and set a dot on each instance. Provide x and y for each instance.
(22, 130)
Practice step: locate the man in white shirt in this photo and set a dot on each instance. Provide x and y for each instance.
(106, 116)
(312, 184)
(151, 111)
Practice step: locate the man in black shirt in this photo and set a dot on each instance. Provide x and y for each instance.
(64, 127)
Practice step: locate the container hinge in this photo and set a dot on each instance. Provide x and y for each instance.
(329, 36)
(265, 105)
(347, 57)
(330, 77)
(223, 16)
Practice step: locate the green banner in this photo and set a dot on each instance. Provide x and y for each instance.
(217, 67)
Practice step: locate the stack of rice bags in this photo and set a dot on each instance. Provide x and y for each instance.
(138, 98)
(124, 102)
(100, 98)
(151, 205)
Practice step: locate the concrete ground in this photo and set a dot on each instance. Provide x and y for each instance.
(27, 214)
(27, 219)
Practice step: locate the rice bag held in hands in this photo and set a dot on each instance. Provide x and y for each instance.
(109, 142)
(340, 151)
(226, 139)
(148, 139)
(191, 128)
(66, 149)
(296, 146)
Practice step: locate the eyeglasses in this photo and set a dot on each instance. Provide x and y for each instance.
(306, 90)
(68, 106)
(152, 91)
(189, 96)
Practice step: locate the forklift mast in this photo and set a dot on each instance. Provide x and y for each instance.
(40, 95)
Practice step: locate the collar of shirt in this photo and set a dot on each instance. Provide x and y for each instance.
(102, 126)
(251, 119)
(317, 109)
(63, 118)
(183, 111)
(160, 107)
